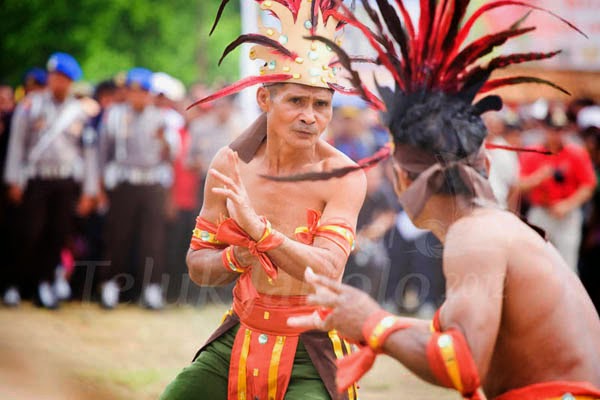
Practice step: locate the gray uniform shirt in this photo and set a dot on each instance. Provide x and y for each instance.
(51, 140)
(131, 149)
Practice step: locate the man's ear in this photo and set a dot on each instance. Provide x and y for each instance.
(263, 98)
(401, 179)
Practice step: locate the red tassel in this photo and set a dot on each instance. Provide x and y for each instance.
(479, 48)
(464, 32)
(353, 366)
(516, 80)
(493, 146)
(241, 85)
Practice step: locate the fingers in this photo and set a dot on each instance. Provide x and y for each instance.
(323, 297)
(228, 193)
(224, 179)
(233, 156)
(311, 321)
(320, 280)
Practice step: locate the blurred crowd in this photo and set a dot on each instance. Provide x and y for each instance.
(102, 184)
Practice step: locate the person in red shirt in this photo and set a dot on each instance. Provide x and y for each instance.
(557, 186)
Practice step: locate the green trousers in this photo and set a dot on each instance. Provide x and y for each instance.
(206, 377)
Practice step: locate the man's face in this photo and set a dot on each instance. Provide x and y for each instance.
(59, 84)
(297, 114)
(7, 103)
(138, 97)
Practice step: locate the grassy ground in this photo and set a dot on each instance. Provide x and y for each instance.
(82, 352)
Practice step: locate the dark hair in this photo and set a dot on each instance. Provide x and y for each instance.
(105, 87)
(443, 126)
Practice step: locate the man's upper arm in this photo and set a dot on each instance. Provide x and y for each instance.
(475, 269)
(344, 204)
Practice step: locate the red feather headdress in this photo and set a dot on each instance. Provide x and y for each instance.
(431, 58)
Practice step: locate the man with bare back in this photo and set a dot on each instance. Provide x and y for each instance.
(262, 234)
(517, 322)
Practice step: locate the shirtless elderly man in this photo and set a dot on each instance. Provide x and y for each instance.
(264, 233)
(516, 323)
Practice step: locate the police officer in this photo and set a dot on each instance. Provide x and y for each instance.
(136, 150)
(50, 165)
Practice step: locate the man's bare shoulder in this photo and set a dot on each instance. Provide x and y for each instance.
(221, 160)
(332, 158)
(487, 233)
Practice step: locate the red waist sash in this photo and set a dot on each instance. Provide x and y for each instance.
(553, 391)
(264, 348)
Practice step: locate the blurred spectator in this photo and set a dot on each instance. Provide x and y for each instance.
(558, 185)
(416, 283)
(48, 157)
(7, 211)
(368, 267)
(213, 130)
(504, 165)
(137, 148)
(184, 208)
(348, 132)
(35, 80)
(590, 246)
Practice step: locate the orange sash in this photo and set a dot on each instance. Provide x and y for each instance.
(263, 352)
(338, 232)
(553, 391)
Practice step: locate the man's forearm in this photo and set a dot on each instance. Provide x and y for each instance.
(206, 268)
(409, 346)
(293, 257)
(578, 198)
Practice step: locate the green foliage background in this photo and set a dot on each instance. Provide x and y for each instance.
(109, 36)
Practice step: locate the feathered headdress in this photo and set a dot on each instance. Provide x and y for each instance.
(430, 59)
(287, 54)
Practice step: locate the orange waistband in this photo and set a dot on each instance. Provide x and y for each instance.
(553, 391)
(269, 314)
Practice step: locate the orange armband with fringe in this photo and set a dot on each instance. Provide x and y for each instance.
(338, 232)
(452, 364)
(376, 330)
(230, 232)
(204, 236)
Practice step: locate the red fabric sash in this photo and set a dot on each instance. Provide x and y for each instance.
(231, 233)
(327, 230)
(352, 367)
(265, 346)
(552, 390)
(204, 236)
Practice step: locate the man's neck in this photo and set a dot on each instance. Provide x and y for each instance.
(440, 212)
(283, 159)
(58, 97)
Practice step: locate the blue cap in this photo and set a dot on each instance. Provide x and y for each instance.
(65, 64)
(35, 74)
(140, 78)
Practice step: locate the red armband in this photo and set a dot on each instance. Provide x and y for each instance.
(338, 232)
(452, 364)
(204, 236)
(376, 330)
(230, 232)
(230, 262)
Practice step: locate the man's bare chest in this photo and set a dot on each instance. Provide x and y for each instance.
(283, 204)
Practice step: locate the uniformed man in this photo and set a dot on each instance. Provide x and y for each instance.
(50, 162)
(137, 150)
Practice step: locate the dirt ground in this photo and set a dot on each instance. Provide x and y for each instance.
(82, 352)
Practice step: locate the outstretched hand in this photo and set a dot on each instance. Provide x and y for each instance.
(238, 202)
(347, 308)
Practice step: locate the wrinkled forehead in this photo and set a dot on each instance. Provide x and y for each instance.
(296, 89)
